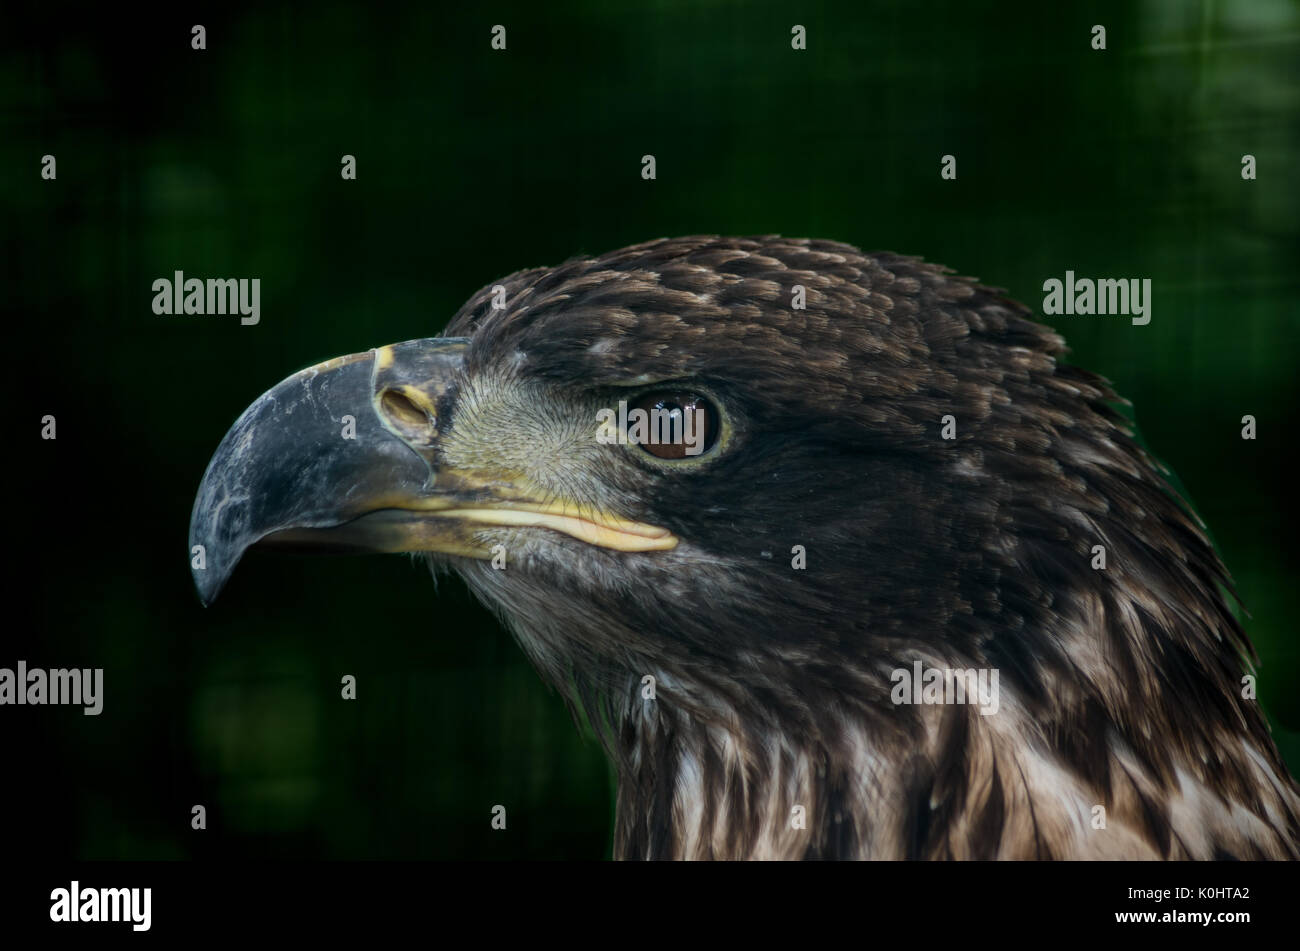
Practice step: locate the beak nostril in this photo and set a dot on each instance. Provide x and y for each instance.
(406, 415)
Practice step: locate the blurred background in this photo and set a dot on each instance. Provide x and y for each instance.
(472, 163)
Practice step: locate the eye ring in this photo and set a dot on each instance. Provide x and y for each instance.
(673, 424)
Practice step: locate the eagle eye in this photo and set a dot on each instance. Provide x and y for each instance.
(673, 424)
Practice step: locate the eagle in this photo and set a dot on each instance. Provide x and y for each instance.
(873, 474)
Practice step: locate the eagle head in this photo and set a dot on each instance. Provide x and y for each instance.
(725, 491)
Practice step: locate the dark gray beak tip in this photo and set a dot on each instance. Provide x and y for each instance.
(207, 589)
(210, 564)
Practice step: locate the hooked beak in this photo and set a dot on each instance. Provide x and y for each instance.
(343, 456)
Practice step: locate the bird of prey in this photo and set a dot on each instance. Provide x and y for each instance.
(892, 471)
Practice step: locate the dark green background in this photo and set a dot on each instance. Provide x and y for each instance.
(472, 164)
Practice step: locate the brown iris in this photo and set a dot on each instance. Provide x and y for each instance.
(675, 424)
